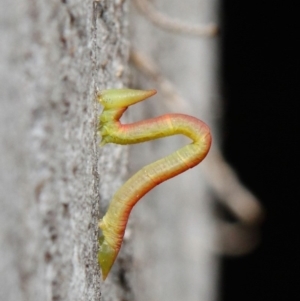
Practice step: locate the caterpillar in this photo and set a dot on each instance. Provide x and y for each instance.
(115, 102)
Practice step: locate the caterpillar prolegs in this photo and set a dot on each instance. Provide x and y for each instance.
(115, 103)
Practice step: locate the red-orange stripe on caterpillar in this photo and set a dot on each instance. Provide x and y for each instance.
(115, 103)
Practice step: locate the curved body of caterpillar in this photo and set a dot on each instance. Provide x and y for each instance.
(115, 103)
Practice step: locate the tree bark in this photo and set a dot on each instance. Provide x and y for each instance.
(53, 175)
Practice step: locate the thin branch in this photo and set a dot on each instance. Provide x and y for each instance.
(243, 236)
(170, 24)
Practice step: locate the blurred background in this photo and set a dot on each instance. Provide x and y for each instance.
(260, 75)
(56, 182)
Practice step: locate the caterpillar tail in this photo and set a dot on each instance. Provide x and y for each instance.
(106, 256)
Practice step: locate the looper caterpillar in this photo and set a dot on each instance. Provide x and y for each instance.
(115, 103)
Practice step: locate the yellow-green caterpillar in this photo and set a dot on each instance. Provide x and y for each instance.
(115, 103)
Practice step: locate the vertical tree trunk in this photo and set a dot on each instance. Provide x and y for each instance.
(53, 56)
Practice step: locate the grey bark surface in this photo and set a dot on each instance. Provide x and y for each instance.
(55, 181)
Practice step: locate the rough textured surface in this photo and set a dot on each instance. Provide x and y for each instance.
(52, 60)
(174, 228)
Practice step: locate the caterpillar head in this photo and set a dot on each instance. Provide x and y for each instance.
(121, 98)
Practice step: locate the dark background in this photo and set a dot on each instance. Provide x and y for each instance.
(260, 73)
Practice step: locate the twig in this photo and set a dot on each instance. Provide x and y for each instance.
(170, 24)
